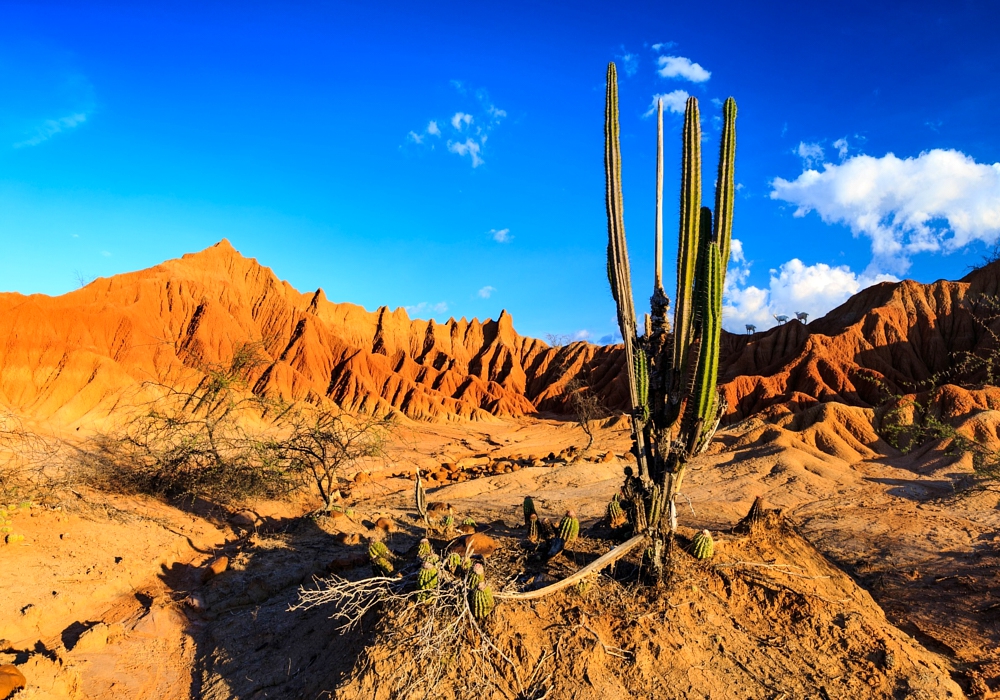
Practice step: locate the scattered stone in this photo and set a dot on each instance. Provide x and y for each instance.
(11, 680)
(215, 567)
(609, 457)
(348, 539)
(386, 525)
(476, 543)
(246, 519)
(362, 477)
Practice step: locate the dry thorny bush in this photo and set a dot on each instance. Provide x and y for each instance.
(28, 460)
(209, 436)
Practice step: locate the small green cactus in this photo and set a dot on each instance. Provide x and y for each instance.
(382, 566)
(476, 576)
(529, 510)
(569, 528)
(6, 529)
(584, 585)
(427, 579)
(424, 550)
(469, 521)
(534, 533)
(449, 522)
(453, 563)
(616, 515)
(377, 549)
(481, 601)
(703, 547)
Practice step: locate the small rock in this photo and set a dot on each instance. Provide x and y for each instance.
(386, 525)
(347, 560)
(362, 477)
(609, 457)
(216, 567)
(348, 539)
(11, 680)
(244, 518)
(476, 543)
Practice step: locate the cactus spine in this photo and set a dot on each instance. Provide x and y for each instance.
(481, 601)
(420, 496)
(529, 510)
(569, 528)
(616, 515)
(533, 530)
(424, 549)
(427, 579)
(676, 406)
(703, 547)
(476, 576)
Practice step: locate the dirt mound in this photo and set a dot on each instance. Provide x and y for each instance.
(74, 358)
(767, 615)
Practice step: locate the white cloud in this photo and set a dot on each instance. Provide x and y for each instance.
(51, 127)
(581, 335)
(432, 128)
(485, 292)
(942, 199)
(810, 153)
(672, 102)
(794, 287)
(501, 235)
(468, 147)
(682, 68)
(841, 146)
(415, 137)
(630, 63)
(662, 45)
(460, 120)
(423, 307)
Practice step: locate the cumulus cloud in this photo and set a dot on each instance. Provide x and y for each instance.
(841, 146)
(810, 153)
(501, 235)
(663, 46)
(50, 127)
(794, 287)
(468, 147)
(432, 128)
(485, 292)
(424, 307)
(461, 120)
(939, 200)
(682, 68)
(672, 102)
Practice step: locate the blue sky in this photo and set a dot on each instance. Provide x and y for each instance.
(303, 133)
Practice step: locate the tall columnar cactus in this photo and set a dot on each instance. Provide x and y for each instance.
(676, 406)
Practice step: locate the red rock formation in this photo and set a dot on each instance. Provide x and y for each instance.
(76, 357)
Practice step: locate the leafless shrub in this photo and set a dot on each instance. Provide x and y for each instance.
(587, 408)
(210, 437)
(27, 459)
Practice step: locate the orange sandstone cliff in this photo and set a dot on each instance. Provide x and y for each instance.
(76, 357)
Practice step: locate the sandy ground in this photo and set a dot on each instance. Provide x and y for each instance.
(107, 596)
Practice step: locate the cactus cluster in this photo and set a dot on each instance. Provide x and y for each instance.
(676, 406)
(381, 558)
(481, 601)
(420, 497)
(703, 546)
(13, 538)
(424, 550)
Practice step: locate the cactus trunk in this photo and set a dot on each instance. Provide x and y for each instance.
(673, 378)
